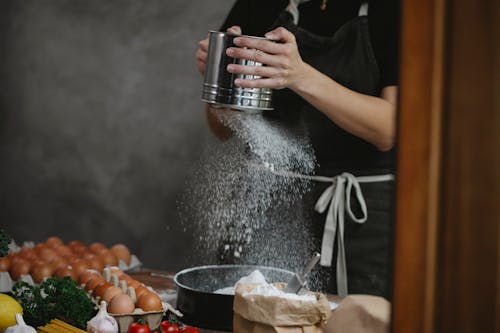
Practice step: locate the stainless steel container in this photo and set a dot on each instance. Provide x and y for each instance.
(218, 85)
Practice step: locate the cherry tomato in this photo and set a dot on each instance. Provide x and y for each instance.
(138, 327)
(189, 329)
(167, 327)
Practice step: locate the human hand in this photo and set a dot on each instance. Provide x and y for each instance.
(202, 51)
(283, 65)
(201, 55)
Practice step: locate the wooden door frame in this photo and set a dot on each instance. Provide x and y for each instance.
(418, 165)
(446, 268)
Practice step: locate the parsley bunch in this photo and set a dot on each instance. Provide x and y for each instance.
(54, 298)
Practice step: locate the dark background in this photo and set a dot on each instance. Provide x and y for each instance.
(101, 120)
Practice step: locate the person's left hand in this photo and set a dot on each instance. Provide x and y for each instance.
(283, 65)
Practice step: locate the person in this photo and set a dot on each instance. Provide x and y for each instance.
(335, 63)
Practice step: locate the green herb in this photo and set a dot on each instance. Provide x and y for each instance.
(36, 311)
(4, 243)
(54, 298)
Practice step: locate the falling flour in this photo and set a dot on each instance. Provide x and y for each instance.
(238, 207)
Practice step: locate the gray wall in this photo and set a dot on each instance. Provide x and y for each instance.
(101, 120)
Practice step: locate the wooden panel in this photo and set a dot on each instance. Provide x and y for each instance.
(419, 142)
(468, 263)
(447, 252)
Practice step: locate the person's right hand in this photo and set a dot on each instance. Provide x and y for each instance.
(202, 51)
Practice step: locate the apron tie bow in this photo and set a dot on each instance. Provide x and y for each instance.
(337, 198)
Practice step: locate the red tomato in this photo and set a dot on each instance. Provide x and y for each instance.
(167, 327)
(138, 328)
(189, 329)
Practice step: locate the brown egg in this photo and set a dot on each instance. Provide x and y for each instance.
(87, 255)
(121, 304)
(14, 258)
(122, 253)
(75, 243)
(64, 251)
(110, 293)
(85, 276)
(125, 277)
(41, 271)
(149, 301)
(80, 250)
(97, 247)
(48, 254)
(95, 263)
(5, 263)
(133, 283)
(28, 254)
(108, 258)
(93, 283)
(38, 247)
(58, 263)
(54, 242)
(79, 266)
(19, 268)
(141, 290)
(65, 271)
(100, 289)
(38, 262)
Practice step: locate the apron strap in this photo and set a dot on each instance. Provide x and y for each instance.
(337, 198)
(293, 9)
(363, 9)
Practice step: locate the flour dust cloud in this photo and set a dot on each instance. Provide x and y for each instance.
(239, 209)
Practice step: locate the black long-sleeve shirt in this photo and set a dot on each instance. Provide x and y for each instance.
(256, 16)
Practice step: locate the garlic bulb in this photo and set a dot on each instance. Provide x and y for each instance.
(102, 322)
(21, 326)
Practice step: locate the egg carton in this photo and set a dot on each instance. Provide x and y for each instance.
(135, 263)
(152, 318)
(6, 281)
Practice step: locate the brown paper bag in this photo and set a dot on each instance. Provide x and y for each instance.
(361, 314)
(272, 314)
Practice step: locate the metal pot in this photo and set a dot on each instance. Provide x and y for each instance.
(202, 307)
(218, 85)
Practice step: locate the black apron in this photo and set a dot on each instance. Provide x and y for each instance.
(348, 58)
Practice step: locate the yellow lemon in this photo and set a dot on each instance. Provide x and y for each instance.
(8, 309)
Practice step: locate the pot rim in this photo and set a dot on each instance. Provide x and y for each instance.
(204, 267)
